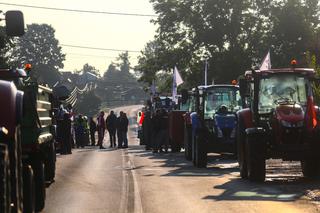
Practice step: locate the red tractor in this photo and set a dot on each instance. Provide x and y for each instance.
(279, 122)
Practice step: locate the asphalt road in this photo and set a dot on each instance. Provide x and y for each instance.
(134, 180)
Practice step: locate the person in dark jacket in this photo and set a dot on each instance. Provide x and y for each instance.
(119, 135)
(93, 129)
(111, 123)
(124, 122)
(66, 134)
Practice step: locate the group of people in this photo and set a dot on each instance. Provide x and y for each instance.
(155, 129)
(116, 126)
(70, 127)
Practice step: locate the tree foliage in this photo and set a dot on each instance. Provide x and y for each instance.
(89, 104)
(40, 48)
(233, 35)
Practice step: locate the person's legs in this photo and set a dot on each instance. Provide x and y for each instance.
(110, 137)
(93, 140)
(125, 139)
(113, 136)
(119, 139)
(102, 138)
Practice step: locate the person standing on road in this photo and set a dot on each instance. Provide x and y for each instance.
(93, 129)
(111, 123)
(120, 141)
(66, 134)
(124, 122)
(101, 129)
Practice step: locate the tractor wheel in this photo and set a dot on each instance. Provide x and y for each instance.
(187, 144)
(40, 187)
(201, 153)
(241, 150)
(28, 190)
(5, 192)
(310, 168)
(256, 163)
(50, 163)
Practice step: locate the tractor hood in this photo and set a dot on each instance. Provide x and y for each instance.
(292, 113)
(225, 120)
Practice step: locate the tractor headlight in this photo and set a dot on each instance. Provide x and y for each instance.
(286, 123)
(300, 124)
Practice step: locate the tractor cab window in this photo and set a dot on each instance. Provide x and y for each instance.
(227, 98)
(281, 89)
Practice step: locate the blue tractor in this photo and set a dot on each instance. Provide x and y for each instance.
(210, 122)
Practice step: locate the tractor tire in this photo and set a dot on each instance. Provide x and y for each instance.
(5, 192)
(28, 190)
(14, 148)
(187, 144)
(50, 163)
(311, 168)
(201, 153)
(240, 141)
(40, 186)
(256, 163)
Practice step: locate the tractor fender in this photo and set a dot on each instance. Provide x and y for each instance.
(8, 110)
(245, 115)
(19, 106)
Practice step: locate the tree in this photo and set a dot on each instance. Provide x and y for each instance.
(124, 63)
(40, 48)
(88, 68)
(233, 35)
(89, 104)
(112, 68)
(6, 44)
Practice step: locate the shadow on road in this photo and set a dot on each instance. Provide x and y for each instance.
(179, 166)
(238, 189)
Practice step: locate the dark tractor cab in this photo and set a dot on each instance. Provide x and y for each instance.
(213, 121)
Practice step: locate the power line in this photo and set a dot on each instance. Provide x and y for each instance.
(87, 55)
(99, 48)
(79, 11)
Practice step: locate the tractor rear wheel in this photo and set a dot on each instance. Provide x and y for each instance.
(240, 141)
(40, 187)
(50, 163)
(28, 190)
(256, 163)
(5, 192)
(201, 153)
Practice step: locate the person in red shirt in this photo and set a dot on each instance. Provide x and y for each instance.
(101, 126)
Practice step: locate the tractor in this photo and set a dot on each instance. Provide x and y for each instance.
(278, 122)
(211, 121)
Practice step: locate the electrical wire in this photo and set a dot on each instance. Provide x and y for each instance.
(99, 48)
(79, 11)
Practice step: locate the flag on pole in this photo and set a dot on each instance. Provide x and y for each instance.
(266, 63)
(153, 88)
(206, 73)
(177, 80)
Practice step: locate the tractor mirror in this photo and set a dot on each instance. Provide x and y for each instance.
(184, 96)
(243, 84)
(14, 23)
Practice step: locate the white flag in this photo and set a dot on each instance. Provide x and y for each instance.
(266, 63)
(177, 77)
(177, 80)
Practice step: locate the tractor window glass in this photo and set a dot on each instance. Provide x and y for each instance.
(281, 89)
(219, 97)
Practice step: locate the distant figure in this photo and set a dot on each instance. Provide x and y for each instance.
(111, 123)
(101, 129)
(124, 122)
(93, 129)
(119, 134)
(66, 136)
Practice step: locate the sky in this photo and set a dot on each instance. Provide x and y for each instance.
(93, 30)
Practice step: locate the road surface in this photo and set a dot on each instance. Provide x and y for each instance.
(134, 180)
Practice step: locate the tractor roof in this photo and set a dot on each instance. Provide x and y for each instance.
(306, 71)
(203, 87)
